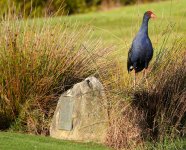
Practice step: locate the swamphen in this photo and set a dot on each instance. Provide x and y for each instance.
(141, 50)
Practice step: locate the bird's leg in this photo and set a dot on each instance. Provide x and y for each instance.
(143, 75)
(145, 72)
(134, 79)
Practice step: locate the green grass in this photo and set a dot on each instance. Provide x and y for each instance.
(121, 24)
(118, 26)
(17, 141)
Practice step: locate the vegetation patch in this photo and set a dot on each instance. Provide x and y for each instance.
(38, 63)
(19, 141)
(42, 58)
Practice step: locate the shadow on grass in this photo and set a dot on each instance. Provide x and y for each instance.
(164, 106)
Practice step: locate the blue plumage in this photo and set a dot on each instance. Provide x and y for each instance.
(141, 50)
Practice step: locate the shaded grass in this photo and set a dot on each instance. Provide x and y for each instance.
(167, 144)
(16, 141)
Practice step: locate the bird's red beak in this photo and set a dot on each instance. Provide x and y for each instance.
(153, 16)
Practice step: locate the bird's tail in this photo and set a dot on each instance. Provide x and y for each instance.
(129, 66)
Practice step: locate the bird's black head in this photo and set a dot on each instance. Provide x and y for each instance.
(149, 14)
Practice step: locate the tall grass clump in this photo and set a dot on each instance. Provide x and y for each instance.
(165, 102)
(38, 61)
(156, 112)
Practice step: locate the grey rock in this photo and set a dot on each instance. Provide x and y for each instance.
(81, 113)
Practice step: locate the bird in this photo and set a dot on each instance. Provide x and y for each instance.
(141, 50)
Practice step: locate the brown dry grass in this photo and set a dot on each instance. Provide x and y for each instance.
(152, 113)
(37, 63)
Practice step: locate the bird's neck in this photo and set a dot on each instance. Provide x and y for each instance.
(144, 26)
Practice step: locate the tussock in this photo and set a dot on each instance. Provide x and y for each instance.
(38, 62)
(149, 113)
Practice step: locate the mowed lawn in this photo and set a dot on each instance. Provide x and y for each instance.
(17, 141)
(118, 26)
